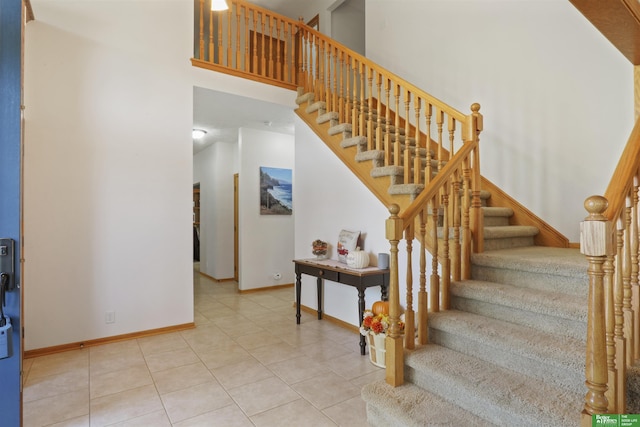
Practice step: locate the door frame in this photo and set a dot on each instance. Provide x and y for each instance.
(236, 204)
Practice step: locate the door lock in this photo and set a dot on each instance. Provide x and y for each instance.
(7, 251)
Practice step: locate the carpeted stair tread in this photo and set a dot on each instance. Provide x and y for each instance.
(541, 310)
(341, 128)
(510, 231)
(307, 97)
(559, 360)
(539, 259)
(499, 395)
(497, 211)
(411, 189)
(409, 405)
(633, 388)
(554, 304)
(316, 106)
(353, 141)
(327, 117)
(364, 156)
(387, 171)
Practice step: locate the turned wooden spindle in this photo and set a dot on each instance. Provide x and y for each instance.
(609, 277)
(635, 279)
(369, 117)
(229, 62)
(247, 38)
(409, 317)
(397, 150)
(422, 293)
(465, 251)
(407, 163)
(201, 38)
(211, 38)
(434, 282)
(238, 33)
(387, 122)
(445, 262)
(417, 160)
(378, 133)
(596, 242)
(627, 309)
(456, 210)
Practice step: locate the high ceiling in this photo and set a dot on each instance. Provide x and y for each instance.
(221, 115)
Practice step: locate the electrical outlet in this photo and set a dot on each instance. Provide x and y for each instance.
(277, 276)
(110, 317)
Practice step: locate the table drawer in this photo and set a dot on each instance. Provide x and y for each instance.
(318, 272)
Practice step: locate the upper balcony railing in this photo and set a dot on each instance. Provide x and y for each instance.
(248, 41)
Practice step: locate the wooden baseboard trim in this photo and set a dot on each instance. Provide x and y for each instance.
(229, 279)
(574, 245)
(268, 288)
(28, 354)
(331, 319)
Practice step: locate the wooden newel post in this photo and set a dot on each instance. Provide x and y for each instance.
(394, 354)
(596, 242)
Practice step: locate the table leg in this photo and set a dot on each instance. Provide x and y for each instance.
(360, 315)
(298, 289)
(319, 282)
(385, 287)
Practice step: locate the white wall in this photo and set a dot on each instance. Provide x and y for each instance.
(328, 197)
(213, 168)
(557, 97)
(107, 187)
(348, 25)
(266, 241)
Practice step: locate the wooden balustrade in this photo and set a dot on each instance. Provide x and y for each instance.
(609, 237)
(249, 41)
(442, 209)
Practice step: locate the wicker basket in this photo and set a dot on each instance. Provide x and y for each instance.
(377, 349)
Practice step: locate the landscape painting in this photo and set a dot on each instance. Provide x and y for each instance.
(275, 191)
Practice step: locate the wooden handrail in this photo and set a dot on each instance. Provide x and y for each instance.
(437, 183)
(622, 178)
(372, 65)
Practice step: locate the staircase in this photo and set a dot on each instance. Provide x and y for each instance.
(510, 352)
(511, 349)
(508, 347)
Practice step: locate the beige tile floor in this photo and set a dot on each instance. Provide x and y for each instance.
(246, 363)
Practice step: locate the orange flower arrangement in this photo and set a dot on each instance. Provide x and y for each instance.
(375, 323)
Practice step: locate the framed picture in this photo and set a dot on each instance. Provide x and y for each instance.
(275, 191)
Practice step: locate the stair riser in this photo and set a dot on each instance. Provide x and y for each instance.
(496, 221)
(467, 399)
(378, 418)
(526, 279)
(555, 325)
(571, 378)
(507, 243)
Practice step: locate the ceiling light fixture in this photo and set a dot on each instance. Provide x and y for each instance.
(198, 133)
(217, 5)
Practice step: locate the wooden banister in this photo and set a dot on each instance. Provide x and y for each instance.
(609, 237)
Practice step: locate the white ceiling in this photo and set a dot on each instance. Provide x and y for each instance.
(221, 115)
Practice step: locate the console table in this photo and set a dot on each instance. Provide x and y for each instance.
(335, 271)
